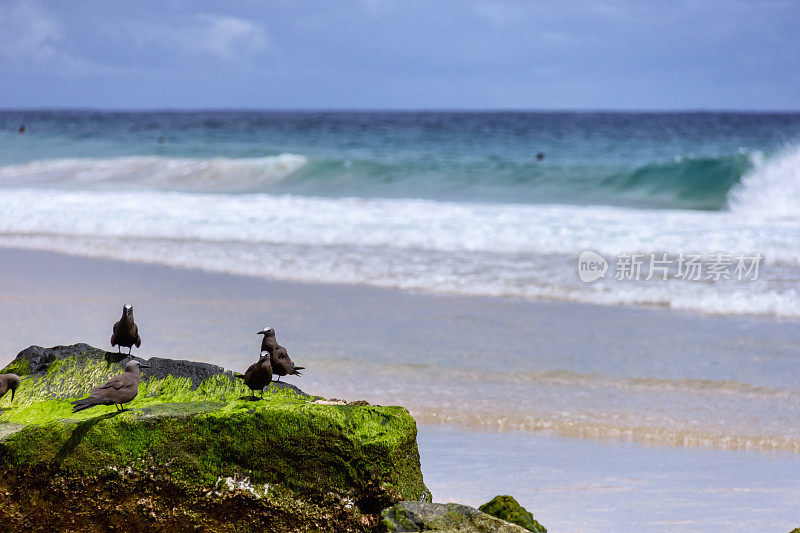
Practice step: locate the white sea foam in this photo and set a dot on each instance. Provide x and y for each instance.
(405, 224)
(772, 187)
(526, 251)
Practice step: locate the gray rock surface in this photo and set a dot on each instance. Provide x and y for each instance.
(422, 516)
(39, 360)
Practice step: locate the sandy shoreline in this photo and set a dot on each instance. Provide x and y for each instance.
(51, 297)
(389, 346)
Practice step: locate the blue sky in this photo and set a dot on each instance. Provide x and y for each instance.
(381, 54)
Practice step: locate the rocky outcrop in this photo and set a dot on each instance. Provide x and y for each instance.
(194, 452)
(424, 516)
(508, 509)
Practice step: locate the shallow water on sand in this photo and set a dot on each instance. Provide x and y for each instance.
(580, 485)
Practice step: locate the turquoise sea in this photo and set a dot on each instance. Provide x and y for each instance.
(438, 202)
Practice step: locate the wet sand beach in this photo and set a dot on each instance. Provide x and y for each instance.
(591, 416)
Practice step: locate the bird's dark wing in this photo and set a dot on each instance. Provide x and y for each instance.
(114, 332)
(280, 353)
(135, 332)
(250, 369)
(117, 382)
(268, 344)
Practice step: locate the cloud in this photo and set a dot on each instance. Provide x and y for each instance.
(34, 39)
(57, 41)
(28, 34)
(225, 38)
(389, 53)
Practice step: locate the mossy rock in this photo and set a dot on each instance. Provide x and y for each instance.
(194, 450)
(508, 509)
(453, 517)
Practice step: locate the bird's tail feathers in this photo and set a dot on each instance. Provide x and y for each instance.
(84, 403)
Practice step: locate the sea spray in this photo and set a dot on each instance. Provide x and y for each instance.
(772, 187)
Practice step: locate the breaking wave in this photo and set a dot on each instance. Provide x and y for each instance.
(772, 187)
(216, 174)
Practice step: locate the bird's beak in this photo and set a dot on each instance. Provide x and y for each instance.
(144, 366)
(12, 395)
(262, 332)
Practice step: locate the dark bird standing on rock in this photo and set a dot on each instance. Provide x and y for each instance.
(8, 382)
(269, 342)
(126, 332)
(259, 374)
(282, 365)
(118, 390)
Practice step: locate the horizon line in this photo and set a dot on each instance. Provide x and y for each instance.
(598, 110)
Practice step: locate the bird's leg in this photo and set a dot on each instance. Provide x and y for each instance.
(279, 378)
(119, 349)
(129, 349)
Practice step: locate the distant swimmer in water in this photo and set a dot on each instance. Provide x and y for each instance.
(21, 129)
(540, 156)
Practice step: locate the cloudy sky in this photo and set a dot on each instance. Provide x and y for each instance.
(384, 54)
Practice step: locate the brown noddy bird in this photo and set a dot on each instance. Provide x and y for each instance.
(259, 374)
(8, 382)
(118, 390)
(126, 332)
(279, 358)
(269, 342)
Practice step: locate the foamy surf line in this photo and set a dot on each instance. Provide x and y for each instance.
(394, 223)
(521, 251)
(437, 273)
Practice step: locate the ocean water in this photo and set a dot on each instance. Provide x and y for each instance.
(643, 419)
(453, 203)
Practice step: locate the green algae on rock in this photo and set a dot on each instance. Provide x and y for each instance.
(425, 516)
(193, 449)
(508, 509)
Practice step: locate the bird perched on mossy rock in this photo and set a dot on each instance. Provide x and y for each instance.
(118, 391)
(8, 382)
(280, 361)
(508, 509)
(126, 332)
(258, 375)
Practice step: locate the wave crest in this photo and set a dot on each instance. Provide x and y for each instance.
(216, 174)
(771, 188)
